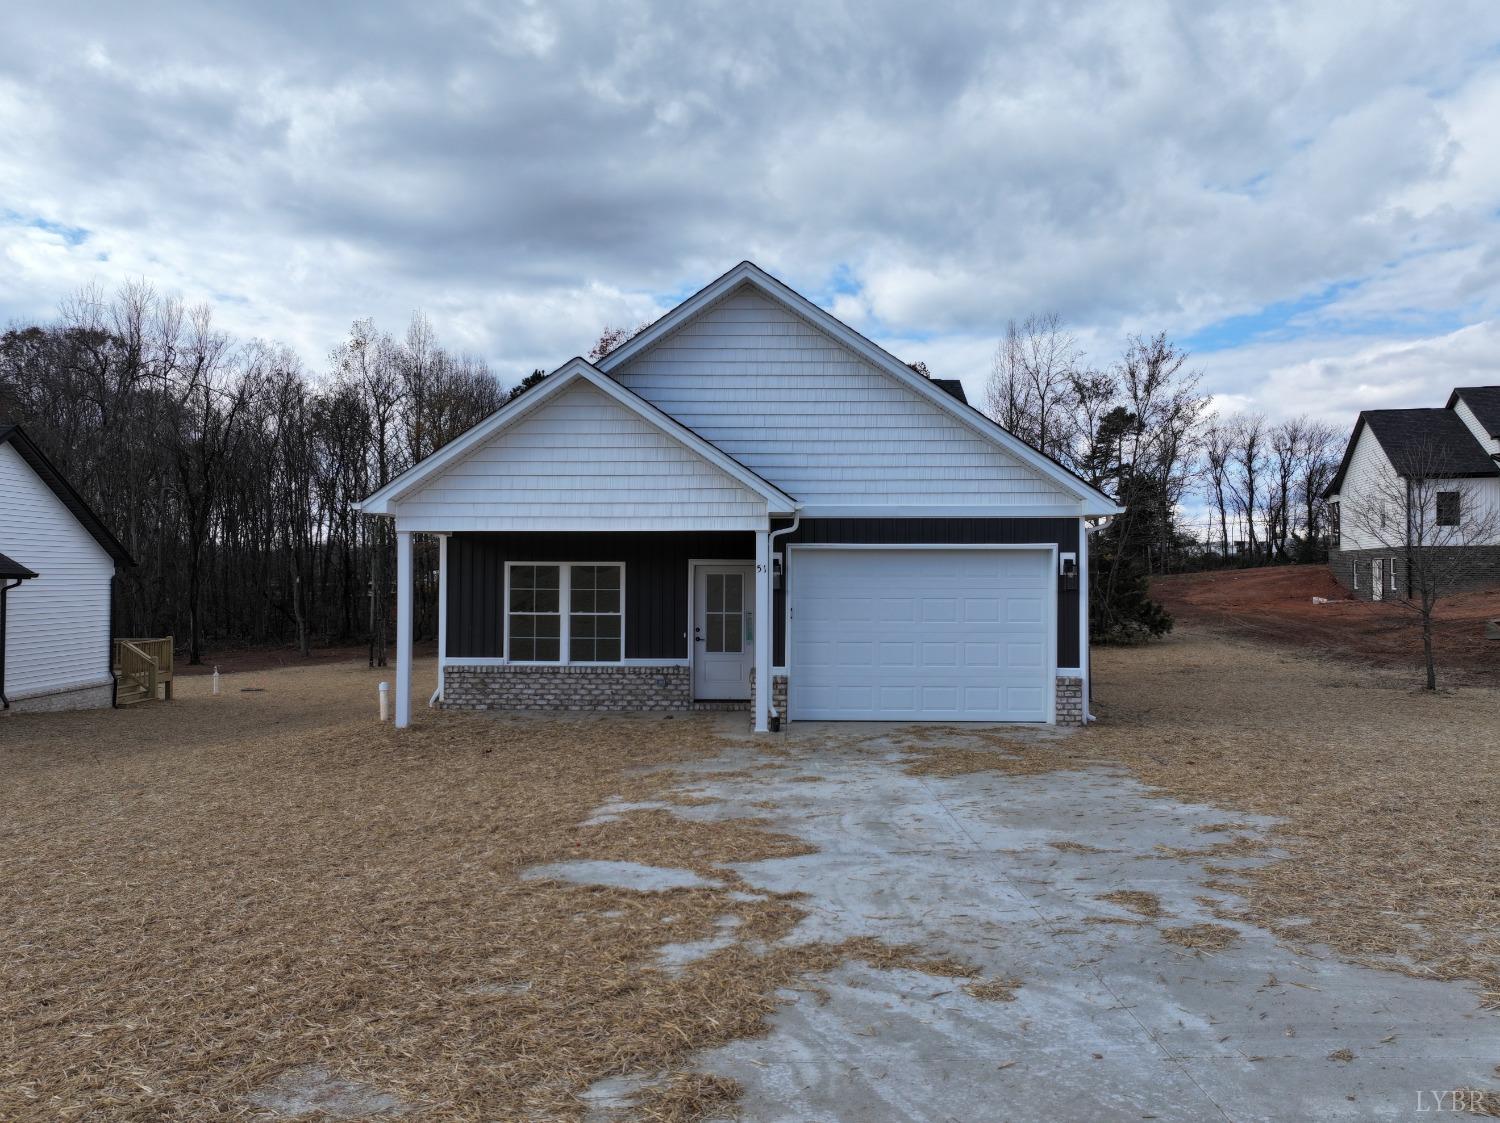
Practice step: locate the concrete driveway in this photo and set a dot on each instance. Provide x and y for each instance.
(1111, 1021)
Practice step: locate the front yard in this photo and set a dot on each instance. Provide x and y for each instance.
(264, 904)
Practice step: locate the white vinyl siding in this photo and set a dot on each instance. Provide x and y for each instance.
(818, 421)
(57, 628)
(582, 461)
(1366, 483)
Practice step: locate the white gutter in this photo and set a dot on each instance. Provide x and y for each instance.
(771, 632)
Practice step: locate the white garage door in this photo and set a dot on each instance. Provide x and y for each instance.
(921, 635)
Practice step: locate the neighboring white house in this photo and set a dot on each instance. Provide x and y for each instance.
(55, 653)
(1445, 462)
(751, 492)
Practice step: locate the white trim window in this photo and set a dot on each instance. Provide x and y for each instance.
(565, 612)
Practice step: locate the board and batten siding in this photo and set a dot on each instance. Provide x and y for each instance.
(656, 574)
(656, 583)
(817, 420)
(582, 461)
(57, 625)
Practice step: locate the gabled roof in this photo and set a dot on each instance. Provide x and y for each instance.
(573, 371)
(1431, 442)
(16, 437)
(1485, 402)
(10, 570)
(1095, 502)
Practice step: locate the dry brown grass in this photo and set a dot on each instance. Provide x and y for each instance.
(198, 897)
(995, 990)
(1000, 754)
(1202, 937)
(1389, 795)
(1071, 847)
(1136, 900)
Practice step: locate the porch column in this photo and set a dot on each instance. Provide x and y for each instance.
(442, 613)
(403, 628)
(765, 629)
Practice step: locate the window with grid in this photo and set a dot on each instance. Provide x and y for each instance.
(535, 613)
(594, 615)
(565, 613)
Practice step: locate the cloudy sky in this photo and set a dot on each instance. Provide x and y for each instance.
(1307, 196)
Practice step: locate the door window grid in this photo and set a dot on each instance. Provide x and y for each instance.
(724, 613)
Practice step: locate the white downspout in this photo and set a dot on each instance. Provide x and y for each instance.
(775, 534)
(442, 668)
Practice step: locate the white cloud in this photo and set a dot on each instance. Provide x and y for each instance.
(526, 173)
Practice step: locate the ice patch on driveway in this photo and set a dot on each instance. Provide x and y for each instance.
(1111, 1020)
(312, 1089)
(619, 875)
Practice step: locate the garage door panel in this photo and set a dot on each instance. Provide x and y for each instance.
(909, 635)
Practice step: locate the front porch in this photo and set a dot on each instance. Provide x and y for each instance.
(666, 621)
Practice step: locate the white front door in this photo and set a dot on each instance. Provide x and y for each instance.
(723, 631)
(1377, 579)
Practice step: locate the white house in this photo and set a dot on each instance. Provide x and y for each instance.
(750, 491)
(1419, 479)
(57, 570)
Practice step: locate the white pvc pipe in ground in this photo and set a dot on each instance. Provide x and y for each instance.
(385, 701)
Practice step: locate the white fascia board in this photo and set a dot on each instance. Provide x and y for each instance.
(938, 511)
(1095, 501)
(574, 370)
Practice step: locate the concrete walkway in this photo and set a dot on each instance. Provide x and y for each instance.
(1111, 1020)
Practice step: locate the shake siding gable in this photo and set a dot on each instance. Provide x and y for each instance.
(57, 627)
(582, 461)
(819, 421)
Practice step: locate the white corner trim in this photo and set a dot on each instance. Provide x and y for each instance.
(1069, 672)
(1094, 502)
(574, 370)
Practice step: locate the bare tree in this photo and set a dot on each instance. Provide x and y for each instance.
(1320, 460)
(1247, 472)
(1031, 383)
(1218, 444)
(1429, 521)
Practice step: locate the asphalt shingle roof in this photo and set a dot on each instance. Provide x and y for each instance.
(10, 569)
(16, 437)
(1485, 402)
(1434, 442)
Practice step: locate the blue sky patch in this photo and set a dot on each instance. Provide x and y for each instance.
(73, 235)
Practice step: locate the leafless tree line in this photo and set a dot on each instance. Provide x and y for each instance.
(1264, 484)
(1141, 429)
(229, 471)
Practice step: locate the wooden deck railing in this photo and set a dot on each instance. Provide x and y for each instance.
(145, 665)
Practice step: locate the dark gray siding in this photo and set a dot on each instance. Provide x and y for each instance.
(656, 573)
(1008, 532)
(655, 583)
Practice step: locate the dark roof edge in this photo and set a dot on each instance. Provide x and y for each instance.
(10, 570)
(75, 503)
